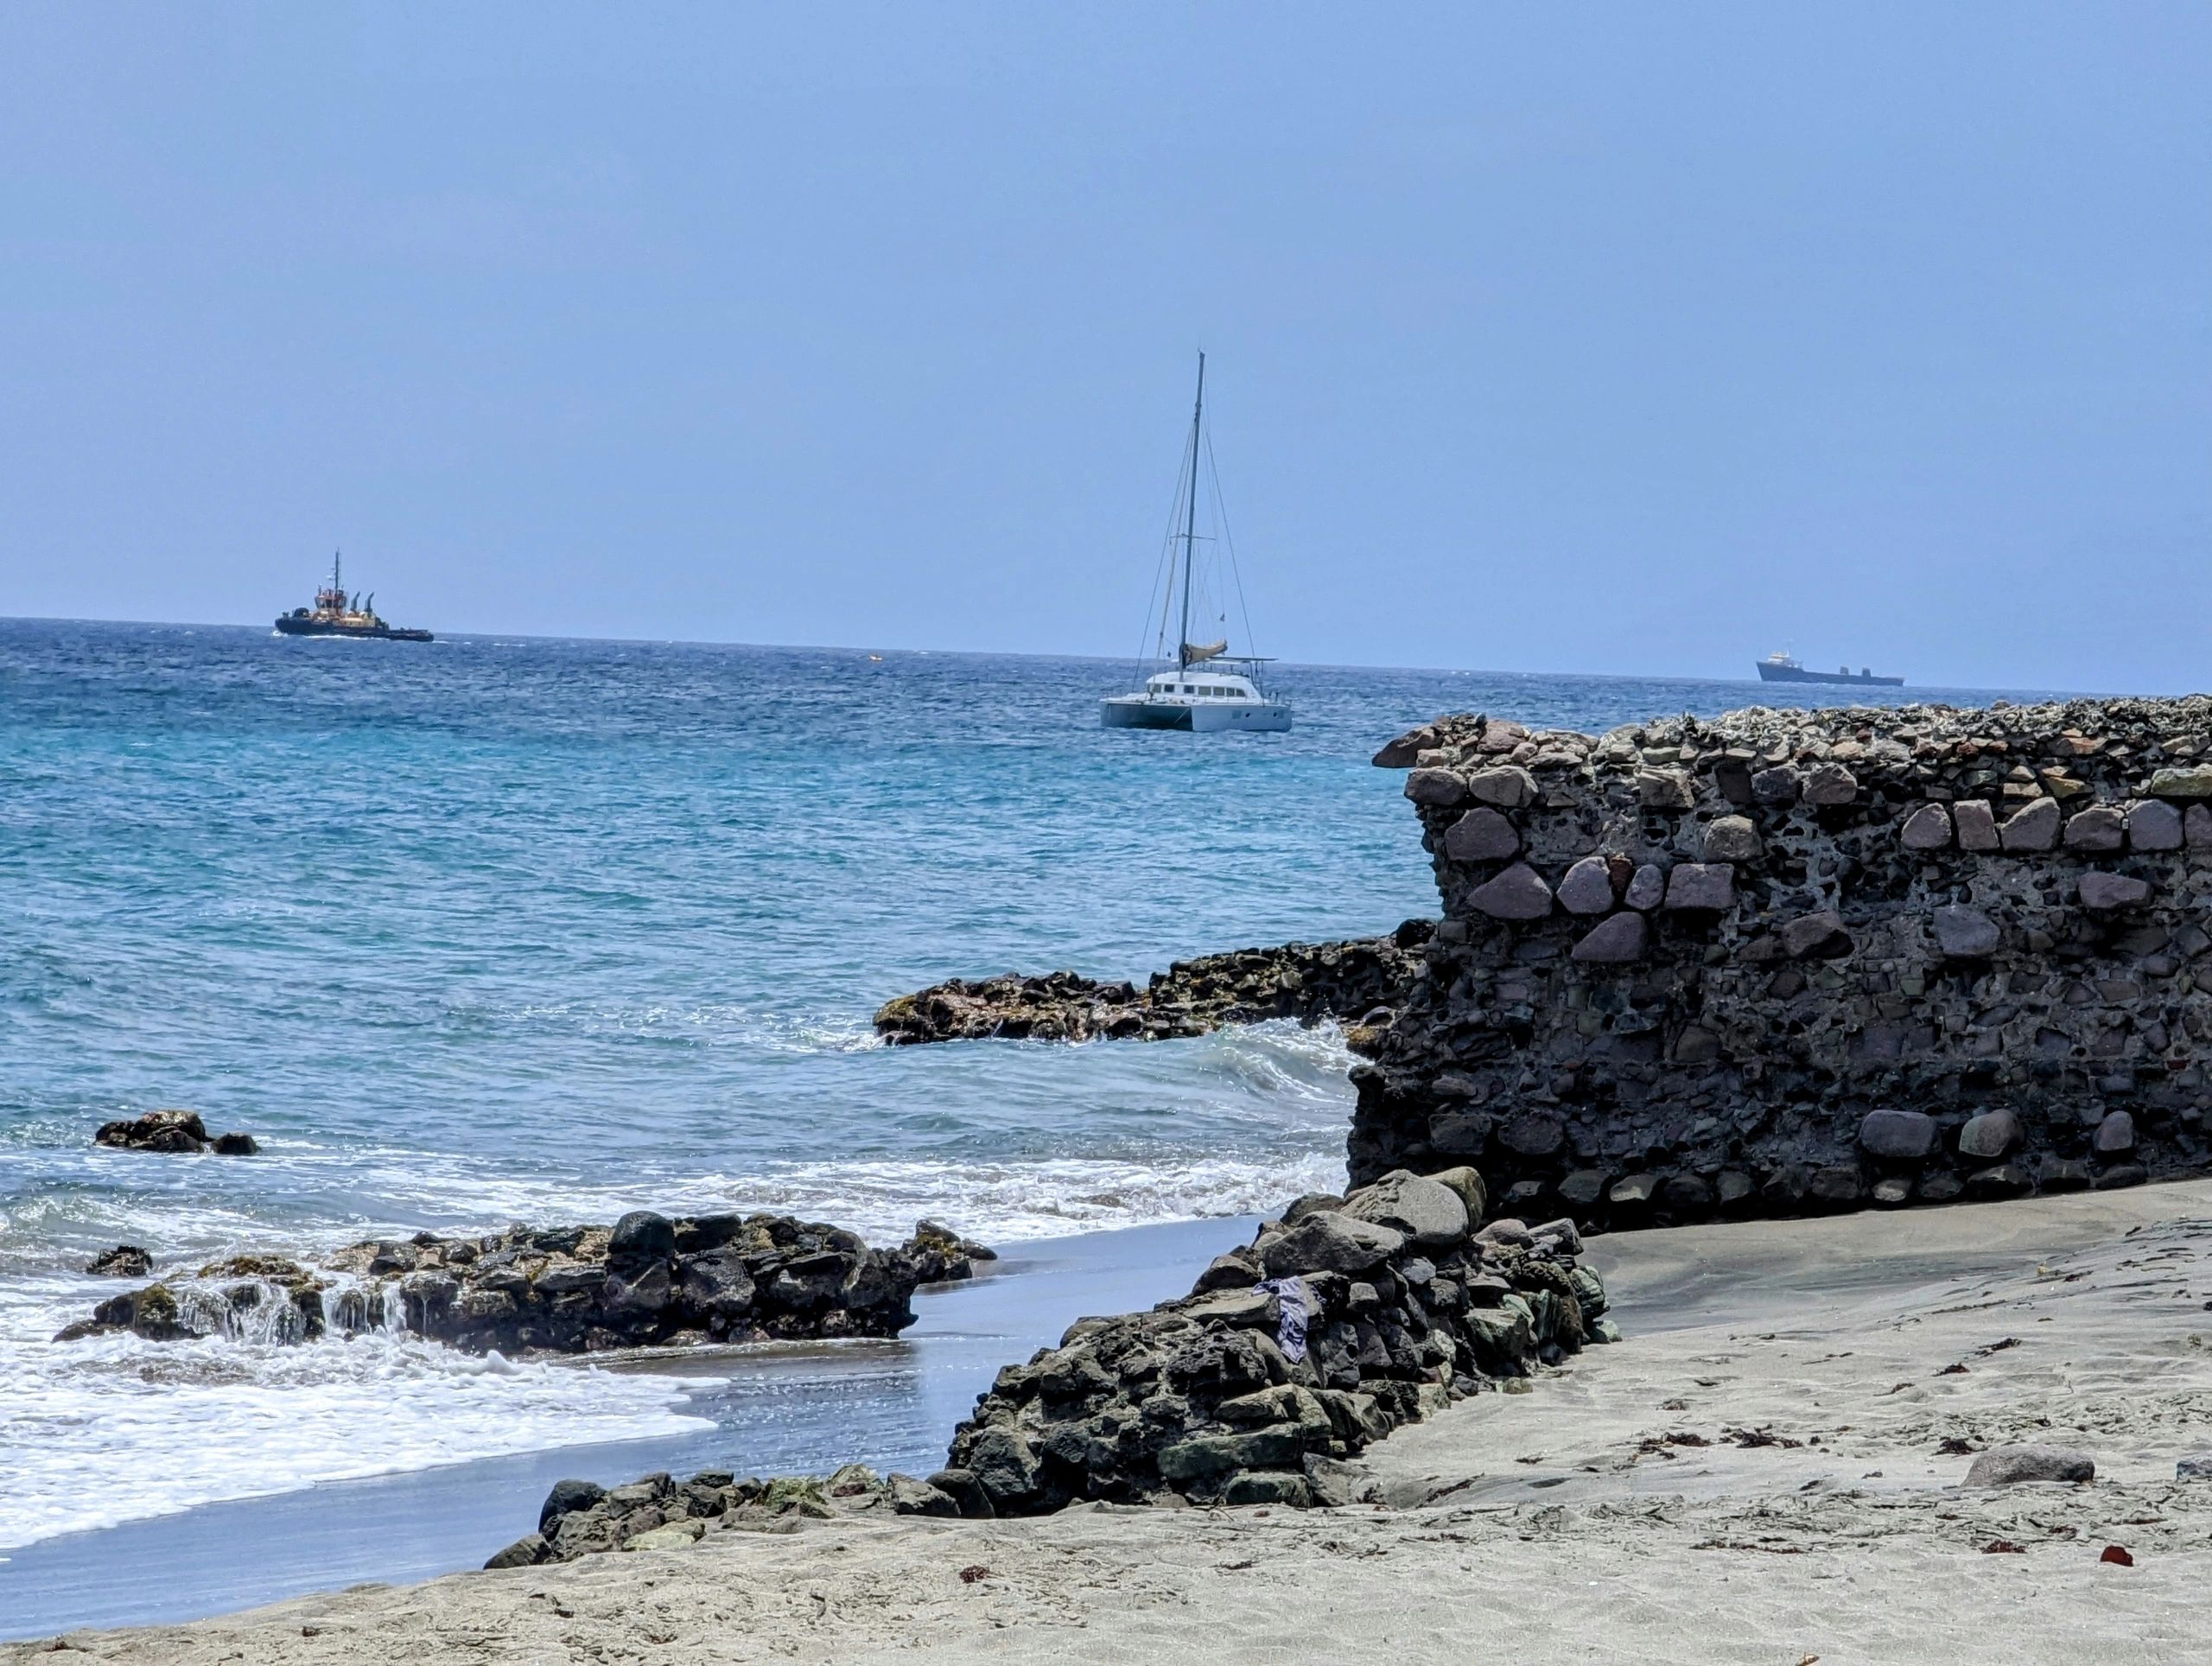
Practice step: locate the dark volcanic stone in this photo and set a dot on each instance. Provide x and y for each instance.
(1905, 1136)
(124, 1261)
(641, 1236)
(565, 1496)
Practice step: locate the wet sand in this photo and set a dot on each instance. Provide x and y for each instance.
(1756, 1475)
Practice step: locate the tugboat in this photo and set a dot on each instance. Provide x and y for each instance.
(1782, 667)
(336, 613)
(1226, 694)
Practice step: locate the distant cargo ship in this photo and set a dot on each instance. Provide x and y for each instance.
(1781, 668)
(336, 613)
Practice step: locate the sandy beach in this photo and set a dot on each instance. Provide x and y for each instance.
(1757, 1474)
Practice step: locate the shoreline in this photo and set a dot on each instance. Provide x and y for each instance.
(1609, 1513)
(776, 1408)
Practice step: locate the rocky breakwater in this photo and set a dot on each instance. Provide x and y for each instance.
(1342, 1319)
(1790, 961)
(1309, 982)
(647, 1281)
(1345, 1318)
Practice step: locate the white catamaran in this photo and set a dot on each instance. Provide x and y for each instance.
(1209, 688)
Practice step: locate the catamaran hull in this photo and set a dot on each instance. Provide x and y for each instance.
(1210, 717)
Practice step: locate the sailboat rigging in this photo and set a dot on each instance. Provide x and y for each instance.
(1226, 693)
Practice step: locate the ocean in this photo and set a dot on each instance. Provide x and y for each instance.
(493, 930)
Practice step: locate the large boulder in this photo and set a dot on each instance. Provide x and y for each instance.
(1332, 1243)
(1429, 1212)
(1903, 1136)
(2009, 1465)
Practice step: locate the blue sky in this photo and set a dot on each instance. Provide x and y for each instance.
(1604, 338)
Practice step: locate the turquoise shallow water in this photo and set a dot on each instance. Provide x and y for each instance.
(487, 930)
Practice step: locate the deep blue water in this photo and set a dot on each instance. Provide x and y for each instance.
(487, 930)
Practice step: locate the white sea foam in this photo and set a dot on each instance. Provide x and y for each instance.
(113, 1428)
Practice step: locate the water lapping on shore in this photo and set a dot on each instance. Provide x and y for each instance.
(475, 932)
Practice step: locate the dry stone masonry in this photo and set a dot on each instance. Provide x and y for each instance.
(1788, 961)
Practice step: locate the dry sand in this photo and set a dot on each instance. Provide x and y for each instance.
(1608, 1515)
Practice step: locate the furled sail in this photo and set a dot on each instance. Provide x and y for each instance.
(1196, 653)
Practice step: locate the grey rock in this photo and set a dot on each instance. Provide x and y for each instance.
(1267, 1487)
(525, 1552)
(1664, 790)
(1648, 888)
(1701, 887)
(2033, 828)
(1533, 1134)
(1818, 936)
(1732, 838)
(1989, 1135)
(566, 1499)
(1587, 888)
(2063, 1174)
(910, 1496)
(641, 1236)
(1402, 752)
(1436, 786)
(1429, 1212)
(2115, 1134)
(1216, 1454)
(1508, 786)
(2194, 781)
(124, 1261)
(1331, 1243)
(1892, 1190)
(2004, 1181)
(2154, 825)
(2009, 1465)
(1928, 828)
(669, 1535)
(1777, 785)
(1468, 1185)
(1897, 1135)
(2196, 827)
(1965, 933)
(2107, 892)
(1976, 823)
(1620, 938)
(1830, 783)
(1481, 834)
(2098, 828)
(2193, 1469)
(1634, 1191)
(1517, 893)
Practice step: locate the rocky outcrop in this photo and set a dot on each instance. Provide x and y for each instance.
(658, 1512)
(173, 1130)
(124, 1261)
(1788, 961)
(646, 1281)
(1342, 1319)
(1309, 982)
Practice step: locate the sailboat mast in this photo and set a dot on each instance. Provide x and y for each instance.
(1191, 521)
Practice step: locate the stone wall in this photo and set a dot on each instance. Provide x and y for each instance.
(1788, 961)
(1343, 1319)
